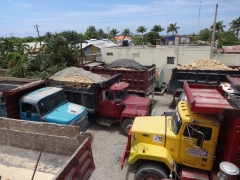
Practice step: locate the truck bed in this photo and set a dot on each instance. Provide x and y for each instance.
(17, 163)
(85, 94)
(207, 77)
(142, 82)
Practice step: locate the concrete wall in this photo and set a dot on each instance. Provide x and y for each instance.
(157, 55)
(56, 139)
(229, 59)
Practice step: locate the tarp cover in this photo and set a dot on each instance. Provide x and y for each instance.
(126, 63)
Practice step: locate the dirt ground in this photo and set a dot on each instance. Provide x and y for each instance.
(108, 146)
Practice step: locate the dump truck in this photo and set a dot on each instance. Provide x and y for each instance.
(189, 142)
(206, 77)
(141, 82)
(107, 100)
(34, 100)
(40, 150)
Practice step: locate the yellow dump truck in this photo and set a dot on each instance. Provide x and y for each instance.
(187, 139)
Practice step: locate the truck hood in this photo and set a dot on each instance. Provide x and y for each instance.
(138, 104)
(68, 113)
(149, 130)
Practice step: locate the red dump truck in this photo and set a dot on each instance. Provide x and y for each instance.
(141, 82)
(107, 100)
(190, 142)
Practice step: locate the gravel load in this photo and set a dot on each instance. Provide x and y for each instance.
(129, 64)
(205, 64)
(74, 74)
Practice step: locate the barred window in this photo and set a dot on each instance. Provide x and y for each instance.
(135, 54)
(109, 54)
(170, 60)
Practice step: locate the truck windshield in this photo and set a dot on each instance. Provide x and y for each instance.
(121, 94)
(176, 122)
(50, 103)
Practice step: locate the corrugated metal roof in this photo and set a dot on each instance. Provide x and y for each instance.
(231, 49)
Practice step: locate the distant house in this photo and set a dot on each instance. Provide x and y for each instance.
(119, 39)
(92, 48)
(34, 46)
(176, 40)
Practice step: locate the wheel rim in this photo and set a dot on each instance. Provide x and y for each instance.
(151, 177)
(128, 127)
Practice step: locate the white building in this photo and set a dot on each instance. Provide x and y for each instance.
(166, 57)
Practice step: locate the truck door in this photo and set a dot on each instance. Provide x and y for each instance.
(106, 103)
(28, 112)
(190, 154)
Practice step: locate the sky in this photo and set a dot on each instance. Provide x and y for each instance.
(18, 17)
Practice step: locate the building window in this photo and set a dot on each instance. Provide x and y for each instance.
(109, 54)
(170, 60)
(135, 55)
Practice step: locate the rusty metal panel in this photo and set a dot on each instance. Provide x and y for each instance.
(194, 174)
(80, 165)
(234, 80)
(139, 81)
(205, 98)
(11, 97)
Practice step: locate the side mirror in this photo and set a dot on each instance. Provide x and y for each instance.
(200, 139)
(117, 101)
(28, 114)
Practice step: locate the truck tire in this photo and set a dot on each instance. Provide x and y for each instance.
(126, 125)
(150, 171)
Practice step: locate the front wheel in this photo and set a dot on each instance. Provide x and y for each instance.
(150, 171)
(126, 125)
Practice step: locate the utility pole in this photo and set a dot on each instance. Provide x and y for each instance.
(36, 27)
(108, 33)
(213, 32)
(167, 32)
(11, 35)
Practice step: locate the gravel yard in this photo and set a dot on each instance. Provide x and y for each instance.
(108, 146)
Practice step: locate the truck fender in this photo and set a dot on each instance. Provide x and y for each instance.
(152, 153)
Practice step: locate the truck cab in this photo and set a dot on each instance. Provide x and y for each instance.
(115, 102)
(188, 137)
(49, 104)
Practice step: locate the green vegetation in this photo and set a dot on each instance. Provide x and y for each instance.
(61, 50)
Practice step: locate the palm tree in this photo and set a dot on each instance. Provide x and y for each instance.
(126, 32)
(219, 26)
(173, 28)
(100, 33)
(141, 29)
(114, 32)
(235, 26)
(157, 28)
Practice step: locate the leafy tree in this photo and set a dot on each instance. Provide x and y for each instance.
(173, 28)
(91, 33)
(235, 26)
(219, 26)
(157, 28)
(205, 34)
(18, 63)
(141, 29)
(227, 39)
(152, 37)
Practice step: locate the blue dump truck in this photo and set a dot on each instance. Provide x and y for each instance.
(34, 100)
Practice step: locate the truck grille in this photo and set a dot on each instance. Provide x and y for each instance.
(82, 123)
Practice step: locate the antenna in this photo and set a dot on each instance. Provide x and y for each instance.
(199, 12)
